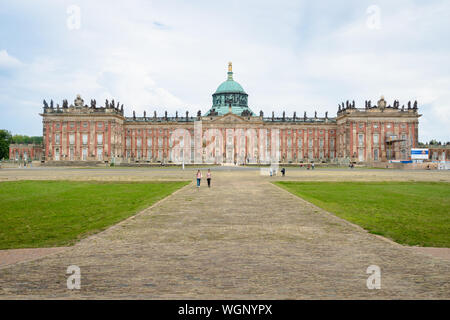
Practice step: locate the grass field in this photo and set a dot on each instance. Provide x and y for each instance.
(56, 213)
(411, 213)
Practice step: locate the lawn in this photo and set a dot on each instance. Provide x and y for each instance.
(411, 213)
(59, 213)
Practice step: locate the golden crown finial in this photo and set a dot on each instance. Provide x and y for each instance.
(230, 67)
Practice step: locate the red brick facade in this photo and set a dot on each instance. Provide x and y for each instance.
(89, 133)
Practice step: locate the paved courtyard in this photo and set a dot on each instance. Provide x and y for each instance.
(245, 238)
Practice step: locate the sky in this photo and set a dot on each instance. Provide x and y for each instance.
(172, 55)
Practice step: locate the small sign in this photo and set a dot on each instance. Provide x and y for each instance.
(417, 154)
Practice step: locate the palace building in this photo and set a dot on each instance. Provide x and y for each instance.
(228, 132)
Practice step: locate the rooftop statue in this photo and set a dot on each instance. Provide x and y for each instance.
(382, 103)
(78, 102)
(45, 104)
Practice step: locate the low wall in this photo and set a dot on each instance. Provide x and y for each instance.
(74, 164)
(408, 166)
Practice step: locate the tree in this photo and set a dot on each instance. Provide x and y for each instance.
(22, 139)
(5, 141)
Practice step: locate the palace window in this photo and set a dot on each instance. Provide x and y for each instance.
(299, 143)
(100, 153)
(321, 143)
(84, 124)
(57, 138)
(375, 125)
(149, 143)
(99, 138)
(388, 126)
(375, 139)
(85, 138)
(321, 131)
(332, 143)
(128, 143)
(100, 124)
(138, 142)
(310, 143)
(71, 138)
(57, 125)
(72, 125)
(361, 125)
(361, 140)
(289, 142)
(375, 155)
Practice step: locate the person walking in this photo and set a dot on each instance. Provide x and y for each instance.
(208, 178)
(283, 171)
(199, 178)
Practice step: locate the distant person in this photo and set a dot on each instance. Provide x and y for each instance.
(312, 166)
(270, 171)
(283, 171)
(199, 178)
(208, 178)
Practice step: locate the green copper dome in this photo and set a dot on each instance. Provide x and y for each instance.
(230, 86)
(230, 94)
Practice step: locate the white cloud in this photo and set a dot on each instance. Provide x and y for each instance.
(293, 56)
(7, 61)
